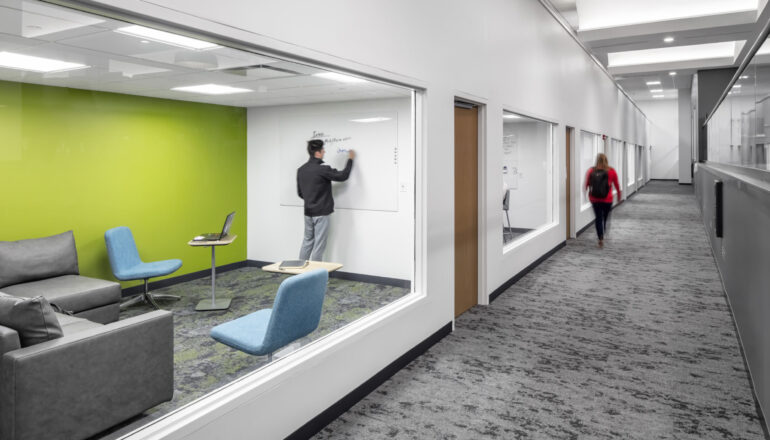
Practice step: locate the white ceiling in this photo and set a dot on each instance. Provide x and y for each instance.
(128, 64)
(627, 36)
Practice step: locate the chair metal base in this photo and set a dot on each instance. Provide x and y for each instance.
(217, 304)
(147, 297)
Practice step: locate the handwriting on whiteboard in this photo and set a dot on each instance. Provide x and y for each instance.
(329, 139)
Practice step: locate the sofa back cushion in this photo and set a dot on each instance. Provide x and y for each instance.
(33, 319)
(37, 258)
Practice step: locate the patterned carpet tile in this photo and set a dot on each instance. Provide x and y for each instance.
(633, 341)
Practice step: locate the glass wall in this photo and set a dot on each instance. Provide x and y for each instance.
(527, 175)
(631, 163)
(105, 123)
(615, 158)
(590, 146)
(738, 130)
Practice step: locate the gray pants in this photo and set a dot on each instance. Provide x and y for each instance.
(314, 242)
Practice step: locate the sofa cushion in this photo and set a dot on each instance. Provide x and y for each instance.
(37, 258)
(71, 324)
(73, 293)
(32, 318)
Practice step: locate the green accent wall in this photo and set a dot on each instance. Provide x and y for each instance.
(89, 161)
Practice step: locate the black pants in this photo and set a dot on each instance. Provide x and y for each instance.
(602, 211)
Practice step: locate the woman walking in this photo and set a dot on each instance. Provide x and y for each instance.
(599, 181)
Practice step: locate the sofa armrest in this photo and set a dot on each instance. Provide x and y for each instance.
(79, 385)
(9, 340)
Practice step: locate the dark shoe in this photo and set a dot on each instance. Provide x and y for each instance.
(601, 243)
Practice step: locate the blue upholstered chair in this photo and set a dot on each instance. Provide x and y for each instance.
(296, 313)
(126, 265)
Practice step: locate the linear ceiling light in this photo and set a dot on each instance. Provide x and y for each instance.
(602, 14)
(657, 96)
(653, 83)
(656, 90)
(212, 89)
(510, 116)
(365, 120)
(672, 73)
(18, 61)
(340, 77)
(165, 37)
(668, 40)
(726, 49)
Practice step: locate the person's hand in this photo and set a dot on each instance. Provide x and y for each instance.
(351, 154)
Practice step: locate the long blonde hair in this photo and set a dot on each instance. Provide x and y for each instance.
(601, 162)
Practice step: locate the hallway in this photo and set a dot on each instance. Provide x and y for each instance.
(632, 341)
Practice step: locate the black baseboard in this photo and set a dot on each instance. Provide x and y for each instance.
(584, 228)
(350, 276)
(493, 296)
(134, 290)
(666, 180)
(320, 421)
(517, 230)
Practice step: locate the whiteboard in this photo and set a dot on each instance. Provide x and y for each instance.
(373, 183)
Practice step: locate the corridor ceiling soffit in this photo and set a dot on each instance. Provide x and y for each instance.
(612, 19)
(653, 45)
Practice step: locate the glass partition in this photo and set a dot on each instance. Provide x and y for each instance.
(527, 175)
(616, 158)
(738, 130)
(105, 123)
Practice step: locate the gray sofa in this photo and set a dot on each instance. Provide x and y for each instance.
(99, 373)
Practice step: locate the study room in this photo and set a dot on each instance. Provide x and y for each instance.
(160, 169)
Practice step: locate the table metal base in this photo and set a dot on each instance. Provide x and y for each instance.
(217, 304)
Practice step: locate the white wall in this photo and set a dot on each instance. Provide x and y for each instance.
(508, 54)
(365, 241)
(663, 116)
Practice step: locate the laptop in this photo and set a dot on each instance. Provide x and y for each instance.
(214, 236)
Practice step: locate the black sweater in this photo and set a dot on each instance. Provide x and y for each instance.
(314, 185)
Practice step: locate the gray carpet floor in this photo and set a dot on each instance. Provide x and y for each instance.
(633, 341)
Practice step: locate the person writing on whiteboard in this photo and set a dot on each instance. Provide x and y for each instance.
(314, 186)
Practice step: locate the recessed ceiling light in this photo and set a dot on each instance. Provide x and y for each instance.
(145, 42)
(165, 37)
(656, 90)
(737, 86)
(657, 96)
(510, 116)
(668, 40)
(18, 61)
(744, 77)
(339, 77)
(212, 89)
(365, 120)
(653, 83)
(672, 73)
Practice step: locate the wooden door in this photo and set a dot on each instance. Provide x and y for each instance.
(466, 208)
(568, 143)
